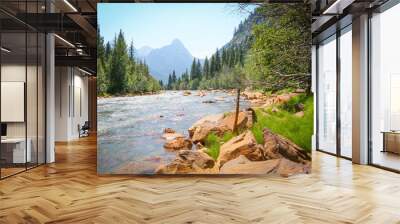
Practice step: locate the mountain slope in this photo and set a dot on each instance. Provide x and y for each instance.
(143, 52)
(163, 61)
(242, 35)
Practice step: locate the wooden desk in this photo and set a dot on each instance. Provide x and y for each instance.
(391, 141)
(13, 150)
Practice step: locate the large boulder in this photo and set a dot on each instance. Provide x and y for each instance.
(250, 95)
(188, 161)
(178, 144)
(199, 158)
(276, 146)
(279, 99)
(214, 119)
(201, 132)
(172, 136)
(257, 154)
(229, 120)
(243, 144)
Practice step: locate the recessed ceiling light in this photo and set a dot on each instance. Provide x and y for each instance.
(64, 40)
(86, 72)
(5, 50)
(337, 7)
(70, 5)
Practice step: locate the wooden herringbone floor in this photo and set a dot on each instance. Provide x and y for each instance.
(69, 191)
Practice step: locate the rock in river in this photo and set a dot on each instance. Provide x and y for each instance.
(214, 119)
(178, 144)
(169, 130)
(172, 136)
(188, 161)
(202, 131)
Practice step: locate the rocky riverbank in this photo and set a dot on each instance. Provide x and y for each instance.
(240, 154)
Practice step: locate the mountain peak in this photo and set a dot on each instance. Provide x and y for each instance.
(162, 61)
(176, 41)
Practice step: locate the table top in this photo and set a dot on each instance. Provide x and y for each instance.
(13, 140)
(391, 132)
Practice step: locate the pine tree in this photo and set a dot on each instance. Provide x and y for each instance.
(118, 68)
(169, 82)
(224, 57)
(131, 52)
(212, 66)
(198, 69)
(173, 77)
(217, 61)
(206, 71)
(107, 52)
(193, 70)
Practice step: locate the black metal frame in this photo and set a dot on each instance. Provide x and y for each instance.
(44, 80)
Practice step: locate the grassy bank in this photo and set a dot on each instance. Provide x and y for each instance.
(280, 119)
(284, 122)
(213, 143)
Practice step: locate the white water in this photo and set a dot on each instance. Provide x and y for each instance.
(130, 128)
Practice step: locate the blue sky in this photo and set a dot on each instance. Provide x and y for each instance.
(201, 27)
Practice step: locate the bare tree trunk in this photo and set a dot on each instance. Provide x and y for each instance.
(236, 112)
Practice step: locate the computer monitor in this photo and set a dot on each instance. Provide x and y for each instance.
(3, 129)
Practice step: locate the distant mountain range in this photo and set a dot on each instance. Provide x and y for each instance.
(143, 52)
(174, 56)
(162, 61)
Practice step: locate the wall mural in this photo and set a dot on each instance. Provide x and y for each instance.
(204, 89)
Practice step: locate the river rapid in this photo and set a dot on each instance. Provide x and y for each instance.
(130, 128)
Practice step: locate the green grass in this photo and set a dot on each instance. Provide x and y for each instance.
(284, 122)
(214, 142)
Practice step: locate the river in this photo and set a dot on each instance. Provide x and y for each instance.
(130, 128)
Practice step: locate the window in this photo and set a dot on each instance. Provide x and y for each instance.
(385, 89)
(346, 92)
(327, 95)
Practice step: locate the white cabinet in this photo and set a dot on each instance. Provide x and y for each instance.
(19, 155)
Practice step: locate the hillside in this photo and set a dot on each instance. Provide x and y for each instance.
(164, 60)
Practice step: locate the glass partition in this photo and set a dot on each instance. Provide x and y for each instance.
(13, 95)
(385, 89)
(327, 95)
(346, 92)
(23, 90)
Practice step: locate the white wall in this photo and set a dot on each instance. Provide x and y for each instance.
(71, 87)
